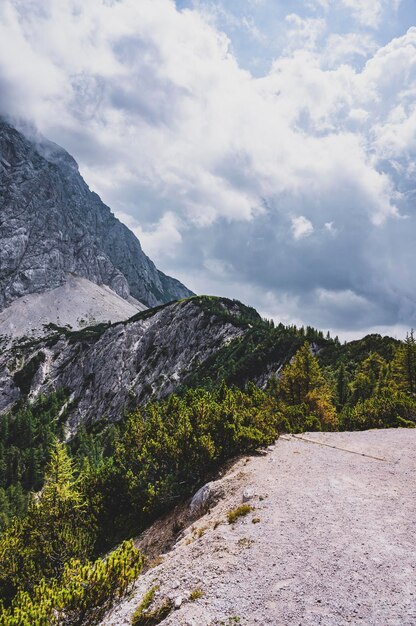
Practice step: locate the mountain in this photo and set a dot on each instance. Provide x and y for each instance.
(75, 304)
(52, 226)
(110, 368)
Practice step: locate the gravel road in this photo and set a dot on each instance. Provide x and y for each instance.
(335, 544)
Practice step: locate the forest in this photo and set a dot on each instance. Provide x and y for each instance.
(65, 507)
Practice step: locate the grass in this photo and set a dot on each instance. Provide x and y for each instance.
(196, 594)
(240, 511)
(147, 600)
(144, 617)
(200, 532)
(154, 617)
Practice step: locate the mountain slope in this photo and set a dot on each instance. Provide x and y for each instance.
(76, 304)
(52, 225)
(110, 368)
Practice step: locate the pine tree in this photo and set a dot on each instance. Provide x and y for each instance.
(342, 385)
(404, 365)
(303, 383)
(58, 527)
(61, 525)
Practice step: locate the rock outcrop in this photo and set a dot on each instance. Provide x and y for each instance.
(52, 225)
(111, 368)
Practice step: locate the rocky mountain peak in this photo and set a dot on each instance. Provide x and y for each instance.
(52, 226)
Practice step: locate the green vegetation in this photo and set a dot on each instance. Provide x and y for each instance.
(196, 594)
(46, 576)
(305, 396)
(83, 593)
(142, 615)
(26, 436)
(165, 450)
(111, 481)
(229, 310)
(161, 454)
(152, 617)
(239, 511)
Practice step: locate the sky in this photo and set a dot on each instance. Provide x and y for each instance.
(263, 150)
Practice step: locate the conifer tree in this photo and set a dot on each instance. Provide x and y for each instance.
(342, 385)
(404, 365)
(62, 527)
(303, 383)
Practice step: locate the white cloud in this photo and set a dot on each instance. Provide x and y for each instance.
(301, 227)
(344, 48)
(209, 164)
(160, 239)
(304, 32)
(367, 12)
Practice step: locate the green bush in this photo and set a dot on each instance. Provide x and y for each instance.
(82, 595)
(240, 511)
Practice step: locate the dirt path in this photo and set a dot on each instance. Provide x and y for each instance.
(335, 544)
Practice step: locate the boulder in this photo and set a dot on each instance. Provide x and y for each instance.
(206, 497)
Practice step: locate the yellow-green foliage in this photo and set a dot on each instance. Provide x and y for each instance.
(144, 604)
(196, 594)
(240, 511)
(57, 528)
(82, 595)
(307, 398)
(146, 617)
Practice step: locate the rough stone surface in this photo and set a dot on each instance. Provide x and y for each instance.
(249, 493)
(205, 497)
(76, 304)
(335, 544)
(52, 225)
(114, 368)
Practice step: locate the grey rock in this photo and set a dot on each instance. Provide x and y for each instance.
(178, 602)
(248, 494)
(206, 497)
(76, 304)
(110, 369)
(52, 225)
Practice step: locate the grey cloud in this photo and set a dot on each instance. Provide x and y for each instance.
(177, 128)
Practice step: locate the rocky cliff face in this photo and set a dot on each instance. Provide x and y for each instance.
(108, 369)
(52, 225)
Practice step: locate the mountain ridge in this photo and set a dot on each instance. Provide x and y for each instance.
(108, 368)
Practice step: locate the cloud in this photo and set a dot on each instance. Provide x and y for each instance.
(343, 48)
(301, 227)
(292, 190)
(367, 12)
(304, 32)
(160, 239)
